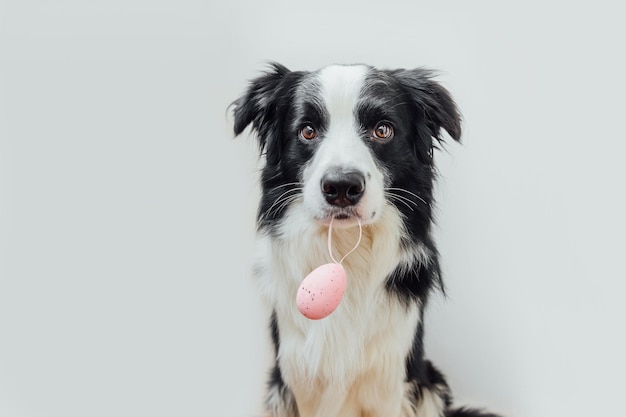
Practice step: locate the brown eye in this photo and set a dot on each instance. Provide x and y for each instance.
(382, 132)
(308, 132)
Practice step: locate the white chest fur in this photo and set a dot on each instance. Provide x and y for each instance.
(370, 334)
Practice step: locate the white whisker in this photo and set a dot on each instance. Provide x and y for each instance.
(408, 192)
(395, 197)
(287, 201)
(280, 200)
(408, 200)
(284, 185)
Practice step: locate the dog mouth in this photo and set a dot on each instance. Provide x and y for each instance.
(341, 215)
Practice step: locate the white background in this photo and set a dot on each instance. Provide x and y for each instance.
(127, 209)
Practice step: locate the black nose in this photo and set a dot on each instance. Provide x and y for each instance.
(343, 188)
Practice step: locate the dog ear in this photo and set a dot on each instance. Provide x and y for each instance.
(434, 101)
(259, 106)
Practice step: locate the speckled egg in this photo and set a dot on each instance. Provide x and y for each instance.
(321, 291)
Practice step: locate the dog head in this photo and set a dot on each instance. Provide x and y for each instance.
(347, 140)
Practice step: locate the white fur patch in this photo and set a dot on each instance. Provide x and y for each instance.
(342, 146)
(354, 360)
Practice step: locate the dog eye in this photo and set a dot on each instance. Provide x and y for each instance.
(383, 131)
(308, 132)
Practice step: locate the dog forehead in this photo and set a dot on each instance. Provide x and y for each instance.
(341, 87)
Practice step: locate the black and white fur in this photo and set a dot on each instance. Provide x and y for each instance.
(325, 157)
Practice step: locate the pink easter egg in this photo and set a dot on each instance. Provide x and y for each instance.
(321, 291)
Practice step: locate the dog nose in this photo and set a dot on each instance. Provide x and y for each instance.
(343, 188)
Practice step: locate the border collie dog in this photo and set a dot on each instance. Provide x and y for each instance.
(350, 143)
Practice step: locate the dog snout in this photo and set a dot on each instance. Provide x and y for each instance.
(343, 188)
